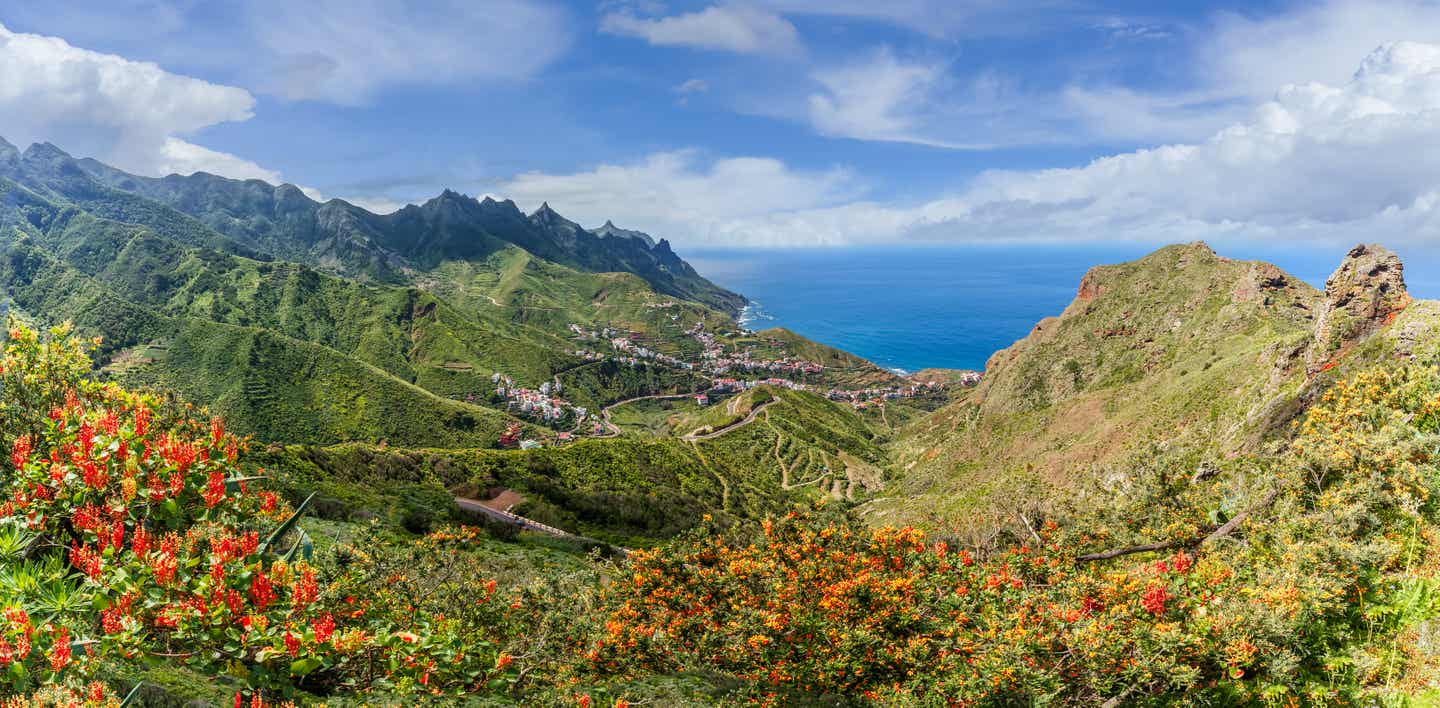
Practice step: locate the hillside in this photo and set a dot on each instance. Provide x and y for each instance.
(1183, 349)
(342, 238)
(437, 328)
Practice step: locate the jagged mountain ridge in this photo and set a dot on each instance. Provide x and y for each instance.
(283, 222)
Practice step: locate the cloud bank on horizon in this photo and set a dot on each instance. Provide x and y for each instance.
(750, 124)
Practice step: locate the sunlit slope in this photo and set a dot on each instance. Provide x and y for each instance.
(1182, 349)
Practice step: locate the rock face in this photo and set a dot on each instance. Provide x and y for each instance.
(1363, 295)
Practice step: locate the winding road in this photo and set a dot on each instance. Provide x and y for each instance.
(505, 517)
(757, 410)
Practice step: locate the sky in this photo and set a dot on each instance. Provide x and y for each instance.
(774, 123)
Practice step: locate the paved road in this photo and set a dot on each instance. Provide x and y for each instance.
(692, 437)
(506, 517)
(614, 429)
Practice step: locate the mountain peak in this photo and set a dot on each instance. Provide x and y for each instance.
(547, 216)
(610, 230)
(1366, 292)
(44, 151)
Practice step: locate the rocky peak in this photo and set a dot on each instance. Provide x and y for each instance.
(610, 230)
(1364, 294)
(45, 151)
(548, 218)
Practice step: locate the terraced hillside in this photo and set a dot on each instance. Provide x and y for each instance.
(311, 326)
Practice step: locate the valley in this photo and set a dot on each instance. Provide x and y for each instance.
(459, 400)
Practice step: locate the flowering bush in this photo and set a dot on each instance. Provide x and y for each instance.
(1257, 587)
(131, 534)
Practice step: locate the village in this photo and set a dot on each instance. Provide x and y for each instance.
(728, 369)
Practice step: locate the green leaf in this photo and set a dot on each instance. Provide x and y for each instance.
(284, 528)
(301, 667)
(132, 695)
(302, 546)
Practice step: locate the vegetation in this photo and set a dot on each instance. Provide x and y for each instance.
(138, 535)
(1205, 482)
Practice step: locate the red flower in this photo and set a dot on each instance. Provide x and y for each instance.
(262, 592)
(250, 543)
(21, 454)
(87, 439)
(110, 423)
(292, 644)
(60, 650)
(1154, 599)
(1182, 561)
(142, 421)
(324, 627)
(140, 542)
(305, 589)
(87, 560)
(214, 489)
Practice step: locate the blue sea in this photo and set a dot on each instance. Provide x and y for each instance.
(912, 308)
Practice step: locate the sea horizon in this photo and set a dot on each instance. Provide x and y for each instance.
(953, 306)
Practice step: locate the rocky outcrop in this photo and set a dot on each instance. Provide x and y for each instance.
(1363, 295)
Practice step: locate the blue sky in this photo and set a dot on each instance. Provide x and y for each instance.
(773, 122)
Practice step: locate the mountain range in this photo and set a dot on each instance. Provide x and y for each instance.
(1201, 462)
(320, 324)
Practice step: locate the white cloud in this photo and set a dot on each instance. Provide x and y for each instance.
(735, 28)
(346, 50)
(124, 112)
(679, 195)
(180, 157)
(340, 51)
(1237, 61)
(693, 86)
(883, 97)
(1345, 162)
(875, 99)
(376, 205)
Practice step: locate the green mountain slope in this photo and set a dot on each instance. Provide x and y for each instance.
(1183, 349)
(317, 325)
(346, 239)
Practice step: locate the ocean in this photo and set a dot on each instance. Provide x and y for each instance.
(953, 306)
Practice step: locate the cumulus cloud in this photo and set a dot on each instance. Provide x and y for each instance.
(682, 195)
(1237, 61)
(1318, 161)
(744, 29)
(182, 158)
(1329, 162)
(131, 114)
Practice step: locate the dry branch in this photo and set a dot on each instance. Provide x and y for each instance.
(1218, 533)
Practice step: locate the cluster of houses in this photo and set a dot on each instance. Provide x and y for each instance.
(543, 404)
(636, 351)
(716, 360)
(864, 398)
(729, 385)
(969, 378)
